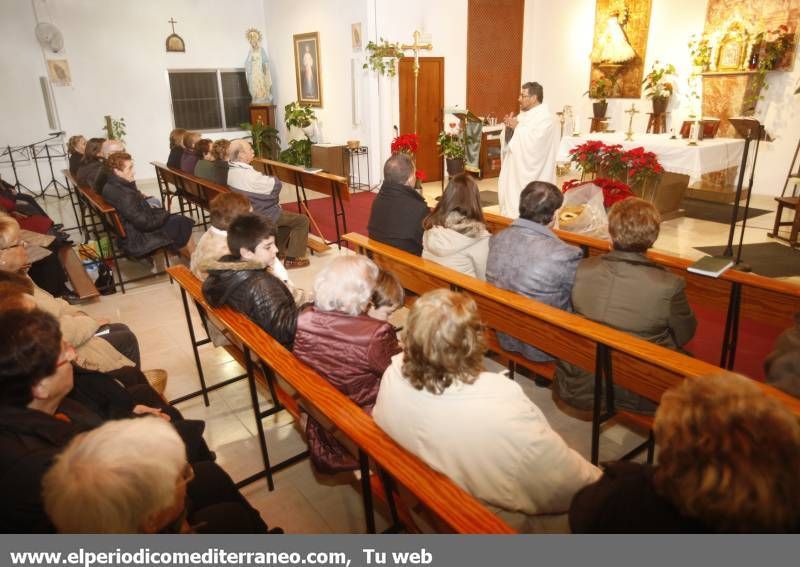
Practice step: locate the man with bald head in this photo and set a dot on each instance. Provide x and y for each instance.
(264, 191)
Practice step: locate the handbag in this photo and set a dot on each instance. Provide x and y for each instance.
(105, 277)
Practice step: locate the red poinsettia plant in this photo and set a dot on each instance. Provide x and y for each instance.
(588, 155)
(636, 166)
(613, 191)
(422, 177)
(642, 166)
(406, 144)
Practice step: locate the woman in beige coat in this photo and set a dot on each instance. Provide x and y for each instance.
(455, 233)
(77, 328)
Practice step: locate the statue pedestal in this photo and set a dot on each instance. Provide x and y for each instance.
(263, 113)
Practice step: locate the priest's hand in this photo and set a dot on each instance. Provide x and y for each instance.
(510, 120)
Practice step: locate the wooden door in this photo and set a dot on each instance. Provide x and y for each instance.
(429, 117)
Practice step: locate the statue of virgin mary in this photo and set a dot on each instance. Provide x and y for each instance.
(256, 68)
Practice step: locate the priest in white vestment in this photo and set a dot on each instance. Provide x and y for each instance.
(530, 154)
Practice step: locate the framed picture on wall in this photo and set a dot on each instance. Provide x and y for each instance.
(307, 70)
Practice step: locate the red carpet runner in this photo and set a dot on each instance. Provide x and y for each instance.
(356, 213)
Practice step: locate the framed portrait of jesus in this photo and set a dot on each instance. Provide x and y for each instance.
(307, 68)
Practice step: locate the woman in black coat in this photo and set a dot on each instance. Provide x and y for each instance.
(175, 148)
(147, 228)
(91, 163)
(77, 145)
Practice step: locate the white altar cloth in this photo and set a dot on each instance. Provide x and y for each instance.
(674, 155)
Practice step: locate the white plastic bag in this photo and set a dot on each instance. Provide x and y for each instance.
(583, 212)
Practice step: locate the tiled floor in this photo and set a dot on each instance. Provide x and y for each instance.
(303, 501)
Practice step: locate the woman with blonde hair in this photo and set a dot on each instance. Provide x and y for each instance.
(727, 462)
(175, 148)
(476, 427)
(76, 146)
(455, 232)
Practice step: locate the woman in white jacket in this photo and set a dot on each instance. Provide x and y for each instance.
(476, 427)
(455, 233)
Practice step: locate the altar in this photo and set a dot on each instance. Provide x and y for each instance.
(710, 162)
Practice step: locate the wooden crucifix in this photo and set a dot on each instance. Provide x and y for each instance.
(632, 110)
(416, 47)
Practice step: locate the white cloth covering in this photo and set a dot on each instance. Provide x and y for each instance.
(530, 155)
(674, 155)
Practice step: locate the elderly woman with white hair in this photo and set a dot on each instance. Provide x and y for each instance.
(339, 340)
(478, 428)
(132, 476)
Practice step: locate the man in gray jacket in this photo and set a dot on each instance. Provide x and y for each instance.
(530, 259)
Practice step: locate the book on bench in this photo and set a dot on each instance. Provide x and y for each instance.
(711, 266)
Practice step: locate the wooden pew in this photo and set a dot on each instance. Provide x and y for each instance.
(455, 508)
(111, 224)
(333, 186)
(630, 362)
(200, 192)
(740, 295)
(82, 284)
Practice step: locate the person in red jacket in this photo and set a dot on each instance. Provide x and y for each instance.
(339, 340)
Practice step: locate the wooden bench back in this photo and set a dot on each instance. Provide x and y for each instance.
(638, 365)
(763, 299)
(453, 506)
(321, 182)
(103, 209)
(194, 189)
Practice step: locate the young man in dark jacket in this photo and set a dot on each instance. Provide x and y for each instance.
(242, 281)
(398, 211)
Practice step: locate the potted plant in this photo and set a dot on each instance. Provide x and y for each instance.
(613, 191)
(266, 142)
(115, 129)
(300, 116)
(383, 57)
(657, 87)
(451, 145)
(700, 50)
(768, 52)
(408, 144)
(299, 150)
(599, 89)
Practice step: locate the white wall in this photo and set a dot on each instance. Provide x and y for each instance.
(333, 21)
(558, 40)
(116, 53)
(445, 20)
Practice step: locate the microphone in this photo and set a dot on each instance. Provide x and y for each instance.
(61, 133)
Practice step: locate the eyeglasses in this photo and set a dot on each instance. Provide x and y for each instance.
(525, 95)
(17, 245)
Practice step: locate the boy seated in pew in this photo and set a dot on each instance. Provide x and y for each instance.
(213, 245)
(240, 279)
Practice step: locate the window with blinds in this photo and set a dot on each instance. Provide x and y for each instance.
(210, 99)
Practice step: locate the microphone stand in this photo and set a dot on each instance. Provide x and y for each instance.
(751, 129)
